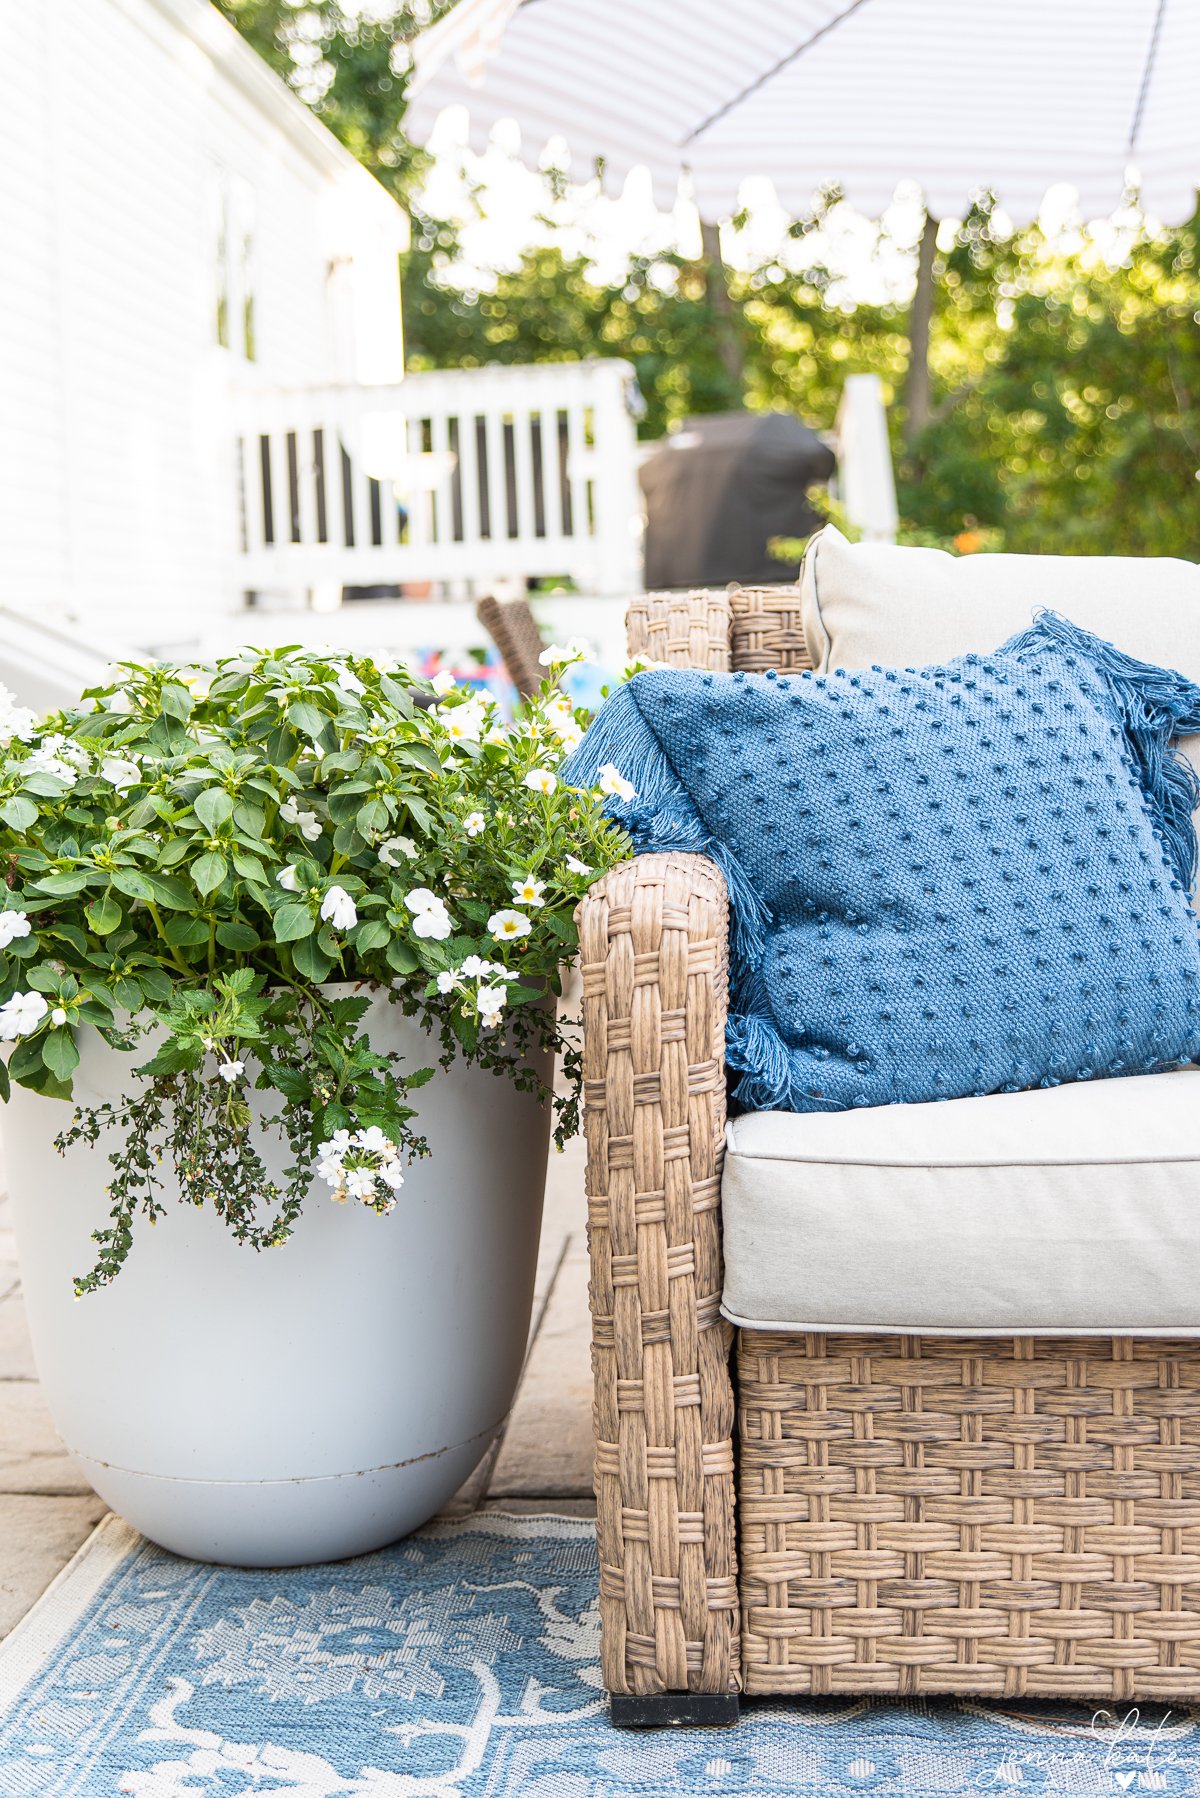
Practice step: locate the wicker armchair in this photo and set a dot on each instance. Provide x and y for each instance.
(912, 1514)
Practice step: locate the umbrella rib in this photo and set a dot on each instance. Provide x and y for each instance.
(1147, 75)
(783, 62)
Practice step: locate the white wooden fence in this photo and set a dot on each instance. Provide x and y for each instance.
(465, 478)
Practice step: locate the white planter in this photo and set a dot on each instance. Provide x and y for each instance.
(305, 1403)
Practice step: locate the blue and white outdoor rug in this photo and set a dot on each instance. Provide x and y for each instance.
(463, 1663)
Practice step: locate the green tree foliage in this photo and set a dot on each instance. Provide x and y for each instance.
(1066, 387)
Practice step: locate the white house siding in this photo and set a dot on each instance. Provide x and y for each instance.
(121, 118)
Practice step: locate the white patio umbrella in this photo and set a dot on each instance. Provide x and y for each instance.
(955, 95)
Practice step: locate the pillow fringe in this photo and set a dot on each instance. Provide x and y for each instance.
(1154, 706)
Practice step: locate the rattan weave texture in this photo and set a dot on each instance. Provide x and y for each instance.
(1016, 1517)
(766, 630)
(685, 630)
(653, 936)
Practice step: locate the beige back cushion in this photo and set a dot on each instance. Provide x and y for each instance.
(866, 603)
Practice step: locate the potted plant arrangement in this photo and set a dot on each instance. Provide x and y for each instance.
(284, 932)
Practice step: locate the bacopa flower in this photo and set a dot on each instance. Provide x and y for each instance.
(430, 917)
(576, 866)
(44, 760)
(474, 823)
(120, 771)
(529, 891)
(338, 909)
(612, 781)
(396, 847)
(12, 925)
(231, 1070)
(21, 1014)
(307, 823)
(508, 924)
(287, 878)
(541, 780)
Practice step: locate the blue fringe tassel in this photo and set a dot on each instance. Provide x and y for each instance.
(663, 815)
(1153, 705)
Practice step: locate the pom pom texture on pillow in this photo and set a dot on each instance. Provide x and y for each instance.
(955, 880)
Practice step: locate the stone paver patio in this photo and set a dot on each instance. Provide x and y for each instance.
(544, 1460)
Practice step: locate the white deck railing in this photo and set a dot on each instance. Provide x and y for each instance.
(464, 478)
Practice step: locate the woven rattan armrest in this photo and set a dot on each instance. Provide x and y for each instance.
(654, 951)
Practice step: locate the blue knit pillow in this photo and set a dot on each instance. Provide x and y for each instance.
(944, 881)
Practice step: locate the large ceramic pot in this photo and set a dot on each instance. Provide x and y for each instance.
(304, 1403)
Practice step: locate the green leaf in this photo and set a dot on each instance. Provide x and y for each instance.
(209, 871)
(419, 813)
(156, 984)
(170, 891)
(174, 851)
(371, 816)
(233, 934)
(72, 881)
(401, 957)
(213, 807)
(59, 1053)
(306, 717)
(249, 867)
(173, 1057)
(372, 934)
(44, 979)
(5, 1084)
(44, 785)
(19, 813)
(311, 961)
(176, 701)
(293, 922)
(250, 818)
(184, 932)
(128, 992)
(133, 884)
(104, 914)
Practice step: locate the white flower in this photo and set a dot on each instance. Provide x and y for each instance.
(396, 846)
(118, 701)
(392, 1174)
(490, 1003)
(197, 681)
(554, 657)
(21, 1014)
(508, 924)
(443, 682)
(120, 771)
(529, 891)
(308, 823)
(448, 980)
(374, 1141)
(475, 965)
(58, 1017)
(463, 723)
(360, 1182)
(12, 925)
(474, 823)
(614, 782)
(349, 682)
(338, 909)
(286, 878)
(15, 720)
(541, 780)
(44, 761)
(231, 1071)
(576, 866)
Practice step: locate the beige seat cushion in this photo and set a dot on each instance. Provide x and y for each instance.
(867, 603)
(1068, 1210)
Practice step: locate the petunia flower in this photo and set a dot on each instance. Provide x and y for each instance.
(474, 823)
(541, 780)
(576, 866)
(529, 891)
(508, 924)
(614, 782)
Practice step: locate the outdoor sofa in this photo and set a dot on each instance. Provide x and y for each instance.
(953, 1443)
